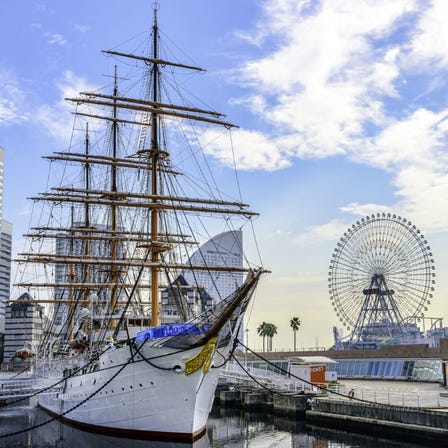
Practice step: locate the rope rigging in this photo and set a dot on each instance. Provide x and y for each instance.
(131, 359)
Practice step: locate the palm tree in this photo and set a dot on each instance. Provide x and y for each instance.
(295, 325)
(271, 332)
(267, 330)
(262, 331)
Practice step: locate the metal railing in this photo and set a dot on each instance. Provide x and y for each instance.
(394, 396)
(15, 388)
(233, 373)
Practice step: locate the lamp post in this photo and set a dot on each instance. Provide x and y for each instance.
(247, 345)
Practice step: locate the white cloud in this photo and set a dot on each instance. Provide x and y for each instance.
(430, 40)
(57, 118)
(418, 139)
(326, 78)
(424, 193)
(248, 150)
(55, 38)
(364, 209)
(364, 79)
(330, 231)
(11, 99)
(338, 78)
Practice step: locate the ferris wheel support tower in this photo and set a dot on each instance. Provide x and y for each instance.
(379, 315)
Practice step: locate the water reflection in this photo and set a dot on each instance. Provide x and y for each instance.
(234, 428)
(58, 435)
(225, 428)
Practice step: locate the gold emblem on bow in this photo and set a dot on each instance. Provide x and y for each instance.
(202, 359)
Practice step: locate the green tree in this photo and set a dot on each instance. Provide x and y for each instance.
(295, 325)
(271, 331)
(262, 331)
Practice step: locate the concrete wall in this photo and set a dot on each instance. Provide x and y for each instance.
(396, 414)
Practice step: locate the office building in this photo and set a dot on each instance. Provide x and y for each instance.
(5, 252)
(5, 269)
(23, 326)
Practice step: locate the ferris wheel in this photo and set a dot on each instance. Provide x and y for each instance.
(381, 276)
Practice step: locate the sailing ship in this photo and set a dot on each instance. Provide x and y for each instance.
(118, 238)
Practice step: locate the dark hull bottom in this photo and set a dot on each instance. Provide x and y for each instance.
(130, 433)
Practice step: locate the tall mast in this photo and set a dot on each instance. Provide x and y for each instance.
(154, 157)
(114, 189)
(71, 281)
(86, 211)
(87, 178)
(115, 197)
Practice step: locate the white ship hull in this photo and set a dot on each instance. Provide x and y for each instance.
(158, 401)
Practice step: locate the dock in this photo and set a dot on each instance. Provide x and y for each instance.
(281, 403)
(390, 420)
(418, 424)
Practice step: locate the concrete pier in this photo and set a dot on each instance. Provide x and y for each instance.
(384, 420)
(292, 405)
(256, 400)
(230, 398)
(424, 425)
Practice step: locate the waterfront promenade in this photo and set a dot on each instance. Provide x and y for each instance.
(400, 393)
(383, 408)
(391, 409)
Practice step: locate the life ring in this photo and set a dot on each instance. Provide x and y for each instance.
(351, 394)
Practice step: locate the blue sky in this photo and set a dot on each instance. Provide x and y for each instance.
(342, 108)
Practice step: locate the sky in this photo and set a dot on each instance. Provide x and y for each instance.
(342, 108)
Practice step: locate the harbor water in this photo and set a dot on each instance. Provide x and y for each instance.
(226, 428)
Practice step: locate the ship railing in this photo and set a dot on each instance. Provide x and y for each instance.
(52, 367)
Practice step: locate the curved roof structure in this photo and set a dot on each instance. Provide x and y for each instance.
(224, 249)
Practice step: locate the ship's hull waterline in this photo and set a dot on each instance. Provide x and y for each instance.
(152, 398)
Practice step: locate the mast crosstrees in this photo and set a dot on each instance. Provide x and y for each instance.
(109, 253)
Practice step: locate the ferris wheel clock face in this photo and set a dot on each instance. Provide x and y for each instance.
(383, 254)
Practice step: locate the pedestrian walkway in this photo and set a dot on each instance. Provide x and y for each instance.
(401, 393)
